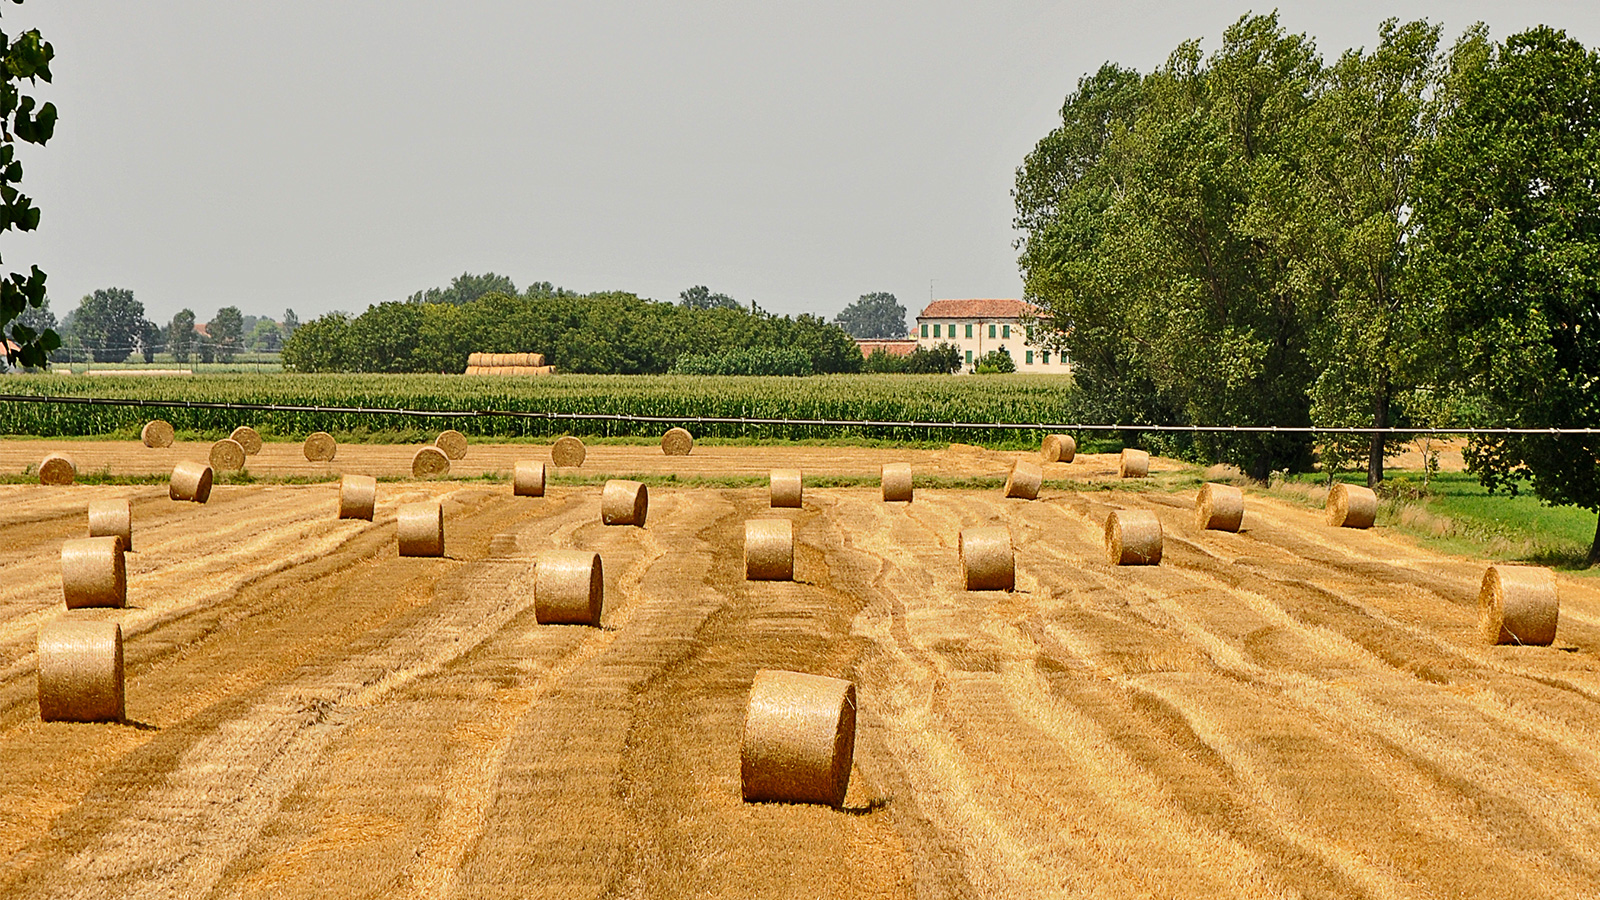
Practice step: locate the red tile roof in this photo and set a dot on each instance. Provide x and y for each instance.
(892, 346)
(989, 308)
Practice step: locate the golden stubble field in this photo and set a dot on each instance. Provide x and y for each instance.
(1291, 711)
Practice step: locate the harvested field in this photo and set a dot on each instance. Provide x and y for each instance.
(1290, 711)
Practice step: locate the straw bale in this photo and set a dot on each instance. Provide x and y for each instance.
(569, 588)
(112, 518)
(987, 559)
(473, 361)
(799, 738)
(1133, 537)
(1518, 605)
(1352, 506)
(897, 482)
(420, 529)
(769, 550)
(786, 488)
(81, 671)
(93, 573)
(157, 433)
(57, 469)
(504, 546)
(1219, 507)
(528, 479)
(677, 442)
(1133, 464)
(544, 370)
(358, 497)
(190, 481)
(429, 461)
(320, 447)
(1059, 448)
(568, 453)
(624, 502)
(248, 438)
(227, 455)
(1024, 480)
(453, 443)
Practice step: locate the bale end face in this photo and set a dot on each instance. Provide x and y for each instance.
(420, 529)
(568, 453)
(1219, 507)
(1133, 464)
(624, 502)
(1518, 605)
(569, 588)
(987, 559)
(1352, 506)
(1059, 448)
(227, 455)
(527, 479)
(190, 481)
(157, 433)
(1133, 537)
(1024, 481)
(358, 497)
(247, 438)
(799, 738)
(769, 550)
(81, 672)
(94, 573)
(57, 469)
(677, 442)
(453, 443)
(429, 462)
(112, 518)
(896, 480)
(786, 487)
(320, 447)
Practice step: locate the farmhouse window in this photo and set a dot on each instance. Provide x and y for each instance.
(991, 329)
(1005, 331)
(969, 329)
(1029, 358)
(969, 357)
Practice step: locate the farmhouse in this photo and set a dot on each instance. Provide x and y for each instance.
(891, 346)
(977, 327)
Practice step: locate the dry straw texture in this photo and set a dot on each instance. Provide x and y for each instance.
(769, 550)
(1133, 464)
(112, 518)
(80, 671)
(453, 443)
(93, 573)
(1133, 537)
(227, 455)
(987, 559)
(527, 479)
(1059, 448)
(1352, 506)
(420, 529)
(569, 588)
(320, 447)
(190, 481)
(358, 497)
(1518, 605)
(624, 502)
(786, 487)
(677, 442)
(1219, 507)
(897, 482)
(503, 360)
(1024, 481)
(429, 461)
(504, 546)
(157, 433)
(248, 438)
(799, 738)
(568, 453)
(57, 469)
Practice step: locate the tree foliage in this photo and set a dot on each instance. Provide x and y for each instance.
(109, 323)
(874, 315)
(227, 332)
(181, 336)
(465, 288)
(700, 297)
(25, 58)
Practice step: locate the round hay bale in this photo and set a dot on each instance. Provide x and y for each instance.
(420, 529)
(768, 550)
(1133, 537)
(1352, 506)
(568, 453)
(1518, 605)
(897, 482)
(157, 433)
(248, 438)
(569, 588)
(1133, 464)
(57, 469)
(1059, 448)
(799, 738)
(528, 479)
(677, 442)
(320, 447)
(93, 573)
(429, 461)
(227, 455)
(987, 559)
(80, 671)
(786, 488)
(624, 502)
(190, 481)
(1219, 507)
(504, 546)
(1024, 481)
(474, 360)
(112, 518)
(453, 443)
(358, 497)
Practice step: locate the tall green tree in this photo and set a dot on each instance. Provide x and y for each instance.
(874, 315)
(701, 297)
(109, 323)
(181, 335)
(465, 288)
(25, 58)
(227, 332)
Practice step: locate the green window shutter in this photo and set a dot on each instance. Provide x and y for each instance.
(969, 329)
(991, 330)
(969, 357)
(936, 329)
(1005, 331)
(1029, 358)
(924, 329)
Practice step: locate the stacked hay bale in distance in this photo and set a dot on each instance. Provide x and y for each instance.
(81, 671)
(57, 469)
(429, 462)
(157, 433)
(568, 453)
(227, 455)
(1059, 448)
(190, 481)
(420, 529)
(785, 487)
(987, 560)
(527, 478)
(1133, 537)
(358, 497)
(453, 443)
(1219, 507)
(624, 502)
(1024, 480)
(896, 482)
(94, 573)
(799, 738)
(768, 550)
(320, 447)
(677, 442)
(1518, 605)
(112, 518)
(569, 588)
(1352, 506)
(1133, 464)
(248, 439)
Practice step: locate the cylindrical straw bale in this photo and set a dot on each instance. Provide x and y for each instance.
(897, 482)
(157, 433)
(80, 671)
(227, 455)
(769, 550)
(453, 443)
(799, 738)
(1133, 464)
(1352, 506)
(786, 488)
(1133, 537)
(93, 573)
(358, 496)
(420, 528)
(568, 453)
(112, 518)
(57, 469)
(677, 442)
(624, 502)
(1518, 605)
(1024, 480)
(429, 461)
(320, 447)
(474, 359)
(987, 559)
(528, 479)
(1059, 448)
(190, 481)
(504, 546)
(248, 438)
(1219, 507)
(569, 588)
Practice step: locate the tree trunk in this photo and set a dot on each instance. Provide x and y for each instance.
(1380, 419)
(1594, 548)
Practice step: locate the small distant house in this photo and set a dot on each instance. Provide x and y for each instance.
(978, 326)
(893, 347)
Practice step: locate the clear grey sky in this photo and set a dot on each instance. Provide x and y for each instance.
(328, 155)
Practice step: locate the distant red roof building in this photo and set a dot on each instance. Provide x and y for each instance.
(893, 347)
(978, 326)
(987, 308)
